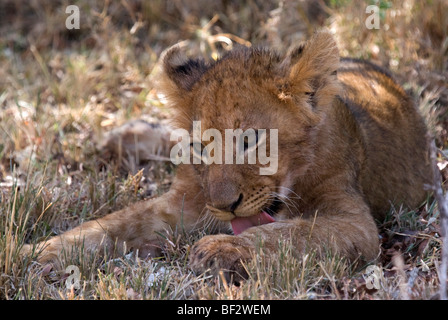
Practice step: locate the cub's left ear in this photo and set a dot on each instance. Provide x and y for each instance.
(312, 69)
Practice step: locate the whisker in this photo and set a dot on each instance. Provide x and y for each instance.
(289, 190)
(286, 200)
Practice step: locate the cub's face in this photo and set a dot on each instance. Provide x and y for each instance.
(251, 118)
(256, 126)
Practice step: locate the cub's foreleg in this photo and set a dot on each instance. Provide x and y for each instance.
(137, 227)
(344, 227)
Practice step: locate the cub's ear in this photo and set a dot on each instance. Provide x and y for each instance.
(312, 67)
(183, 72)
(178, 76)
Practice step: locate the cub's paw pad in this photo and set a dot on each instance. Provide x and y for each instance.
(225, 253)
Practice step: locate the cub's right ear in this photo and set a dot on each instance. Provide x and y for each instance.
(183, 72)
(179, 74)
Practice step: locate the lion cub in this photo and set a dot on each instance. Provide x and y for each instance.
(350, 143)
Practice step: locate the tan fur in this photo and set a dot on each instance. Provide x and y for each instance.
(351, 143)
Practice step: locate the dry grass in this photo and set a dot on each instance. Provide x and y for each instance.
(61, 90)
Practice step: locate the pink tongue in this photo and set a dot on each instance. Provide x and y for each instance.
(240, 224)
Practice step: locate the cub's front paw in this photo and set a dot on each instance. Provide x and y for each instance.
(221, 253)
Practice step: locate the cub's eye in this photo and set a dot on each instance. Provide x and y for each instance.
(248, 143)
(197, 148)
(198, 153)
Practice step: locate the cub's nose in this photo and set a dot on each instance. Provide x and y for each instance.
(225, 197)
(229, 205)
